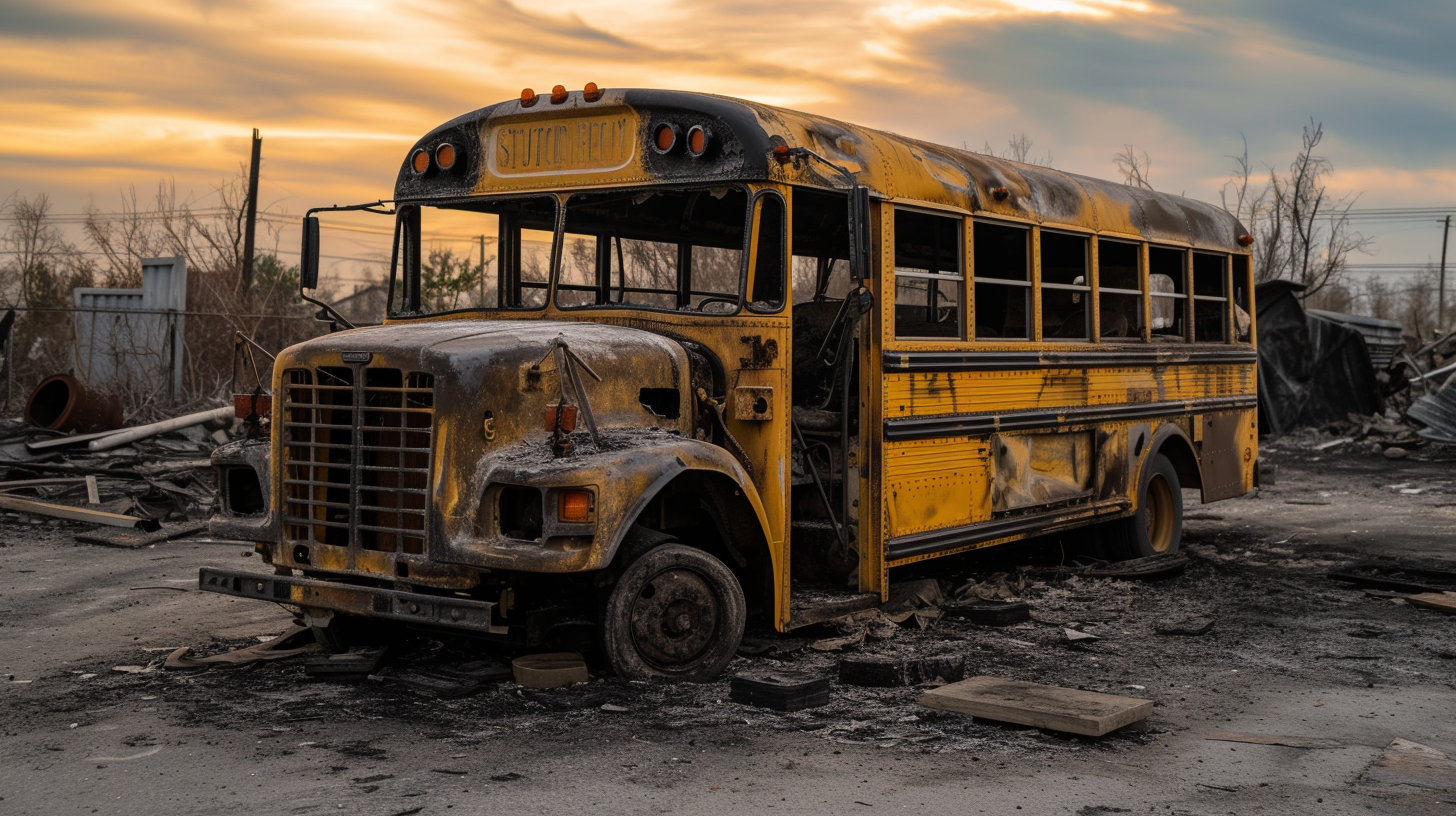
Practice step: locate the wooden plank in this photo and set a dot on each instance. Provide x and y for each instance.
(1059, 709)
(1439, 601)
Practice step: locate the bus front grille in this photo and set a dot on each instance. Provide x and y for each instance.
(356, 457)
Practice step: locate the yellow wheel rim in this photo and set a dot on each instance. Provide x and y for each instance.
(1159, 511)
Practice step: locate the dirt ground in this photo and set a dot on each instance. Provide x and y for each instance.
(1291, 652)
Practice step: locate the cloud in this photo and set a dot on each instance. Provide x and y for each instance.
(96, 95)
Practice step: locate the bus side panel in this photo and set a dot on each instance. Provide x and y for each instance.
(1227, 453)
(935, 483)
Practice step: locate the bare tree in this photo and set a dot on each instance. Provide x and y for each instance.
(1018, 149)
(1301, 231)
(1135, 166)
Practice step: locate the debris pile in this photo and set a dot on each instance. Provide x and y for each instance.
(153, 482)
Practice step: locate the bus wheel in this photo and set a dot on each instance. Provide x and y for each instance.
(1157, 527)
(676, 613)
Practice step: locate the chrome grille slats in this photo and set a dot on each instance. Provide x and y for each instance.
(356, 457)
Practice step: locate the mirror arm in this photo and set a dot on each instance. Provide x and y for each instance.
(310, 255)
(858, 196)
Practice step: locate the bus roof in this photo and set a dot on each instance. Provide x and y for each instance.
(611, 141)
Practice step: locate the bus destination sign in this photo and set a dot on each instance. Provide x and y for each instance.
(574, 145)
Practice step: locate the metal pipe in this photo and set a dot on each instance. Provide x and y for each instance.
(63, 511)
(128, 435)
(63, 403)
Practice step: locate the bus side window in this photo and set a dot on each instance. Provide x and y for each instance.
(1066, 292)
(929, 275)
(769, 257)
(1210, 298)
(1166, 273)
(1119, 290)
(1242, 286)
(1003, 281)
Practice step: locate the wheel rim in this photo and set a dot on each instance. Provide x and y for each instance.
(674, 618)
(1159, 513)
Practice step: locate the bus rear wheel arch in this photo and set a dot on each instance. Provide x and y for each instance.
(675, 613)
(1156, 528)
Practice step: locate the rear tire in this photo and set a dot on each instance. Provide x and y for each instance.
(676, 613)
(1157, 526)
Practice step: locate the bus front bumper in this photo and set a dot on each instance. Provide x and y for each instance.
(370, 602)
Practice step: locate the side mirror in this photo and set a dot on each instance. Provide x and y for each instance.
(308, 258)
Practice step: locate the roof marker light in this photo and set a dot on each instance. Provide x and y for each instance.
(420, 161)
(1000, 193)
(558, 94)
(781, 153)
(1246, 240)
(528, 98)
(591, 92)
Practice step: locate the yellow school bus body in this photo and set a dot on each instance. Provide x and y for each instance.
(956, 434)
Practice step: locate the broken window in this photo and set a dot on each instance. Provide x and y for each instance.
(929, 275)
(769, 256)
(1066, 294)
(1119, 290)
(1003, 281)
(1168, 290)
(1210, 298)
(674, 250)
(445, 266)
(820, 268)
(1243, 285)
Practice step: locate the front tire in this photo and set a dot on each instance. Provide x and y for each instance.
(1157, 526)
(676, 614)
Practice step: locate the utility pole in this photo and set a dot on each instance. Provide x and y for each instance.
(1441, 298)
(482, 271)
(252, 222)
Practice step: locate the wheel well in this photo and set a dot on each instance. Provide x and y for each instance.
(707, 510)
(1185, 461)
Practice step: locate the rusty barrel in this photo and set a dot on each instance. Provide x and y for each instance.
(63, 403)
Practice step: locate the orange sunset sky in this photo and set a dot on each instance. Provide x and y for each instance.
(96, 97)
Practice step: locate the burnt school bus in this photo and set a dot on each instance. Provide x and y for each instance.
(734, 361)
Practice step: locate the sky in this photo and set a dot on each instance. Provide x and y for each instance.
(99, 97)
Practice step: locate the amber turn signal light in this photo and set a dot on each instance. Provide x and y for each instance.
(574, 505)
(558, 94)
(697, 140)
(664, 137)
(420, 161)
(445, 156)
(1000, 193)
(1246, 240)
(591, 92)
(781, 153)
(568, 418)
(528, 98)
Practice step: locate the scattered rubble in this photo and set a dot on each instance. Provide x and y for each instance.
(154, 480)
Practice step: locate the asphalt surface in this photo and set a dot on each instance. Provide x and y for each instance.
(1291, 653)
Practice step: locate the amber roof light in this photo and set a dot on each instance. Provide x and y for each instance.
(664, 137)
(420, 161)
(591, 92)
(445, 156)
(558, 94)
(698, 137)
(528, 98)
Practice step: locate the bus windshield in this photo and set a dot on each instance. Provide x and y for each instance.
(677, 250)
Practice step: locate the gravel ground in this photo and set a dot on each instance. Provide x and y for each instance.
(1290, 652)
